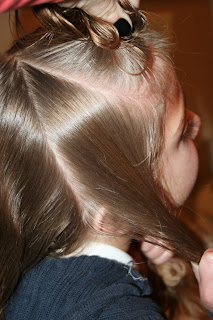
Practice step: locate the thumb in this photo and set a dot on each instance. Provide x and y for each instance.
(206, 279)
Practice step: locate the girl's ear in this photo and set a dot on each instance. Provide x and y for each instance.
(109, 232)
(104, 222)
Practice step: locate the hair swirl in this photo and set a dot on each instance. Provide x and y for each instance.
(78, 23)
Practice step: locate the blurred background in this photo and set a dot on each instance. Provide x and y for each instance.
(189, 25)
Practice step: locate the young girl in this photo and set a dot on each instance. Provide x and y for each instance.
(96, 149)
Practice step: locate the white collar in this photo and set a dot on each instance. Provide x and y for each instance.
(102, 250)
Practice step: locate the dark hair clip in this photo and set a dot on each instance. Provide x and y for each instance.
(123, 27)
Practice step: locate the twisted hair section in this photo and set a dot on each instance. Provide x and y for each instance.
(79, 24)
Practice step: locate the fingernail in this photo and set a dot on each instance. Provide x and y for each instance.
(123, 27)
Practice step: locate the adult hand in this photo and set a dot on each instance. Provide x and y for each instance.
(109, 10)
(203, 272)
(204, 275)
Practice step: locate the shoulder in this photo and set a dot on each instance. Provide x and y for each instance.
(134, 308)
(122, 293)
(82, 288)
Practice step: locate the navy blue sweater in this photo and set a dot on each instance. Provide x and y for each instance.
(82, 288)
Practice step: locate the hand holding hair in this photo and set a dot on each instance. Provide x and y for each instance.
(109, 10)
(203, 272)
(204, 275)
(81, 20)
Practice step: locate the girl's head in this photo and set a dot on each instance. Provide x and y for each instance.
(91, 126)
(179, 156)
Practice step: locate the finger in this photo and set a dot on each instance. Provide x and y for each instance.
(69, 4)
(146, 246)
(164, 257)
(155, 252)
(135, 3)
(113, 12)
(206, 279)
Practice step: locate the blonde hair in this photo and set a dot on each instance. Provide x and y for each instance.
(75, 138)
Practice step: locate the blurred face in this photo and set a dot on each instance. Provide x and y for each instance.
(179, 158)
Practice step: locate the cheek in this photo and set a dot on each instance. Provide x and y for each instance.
(180, 169)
